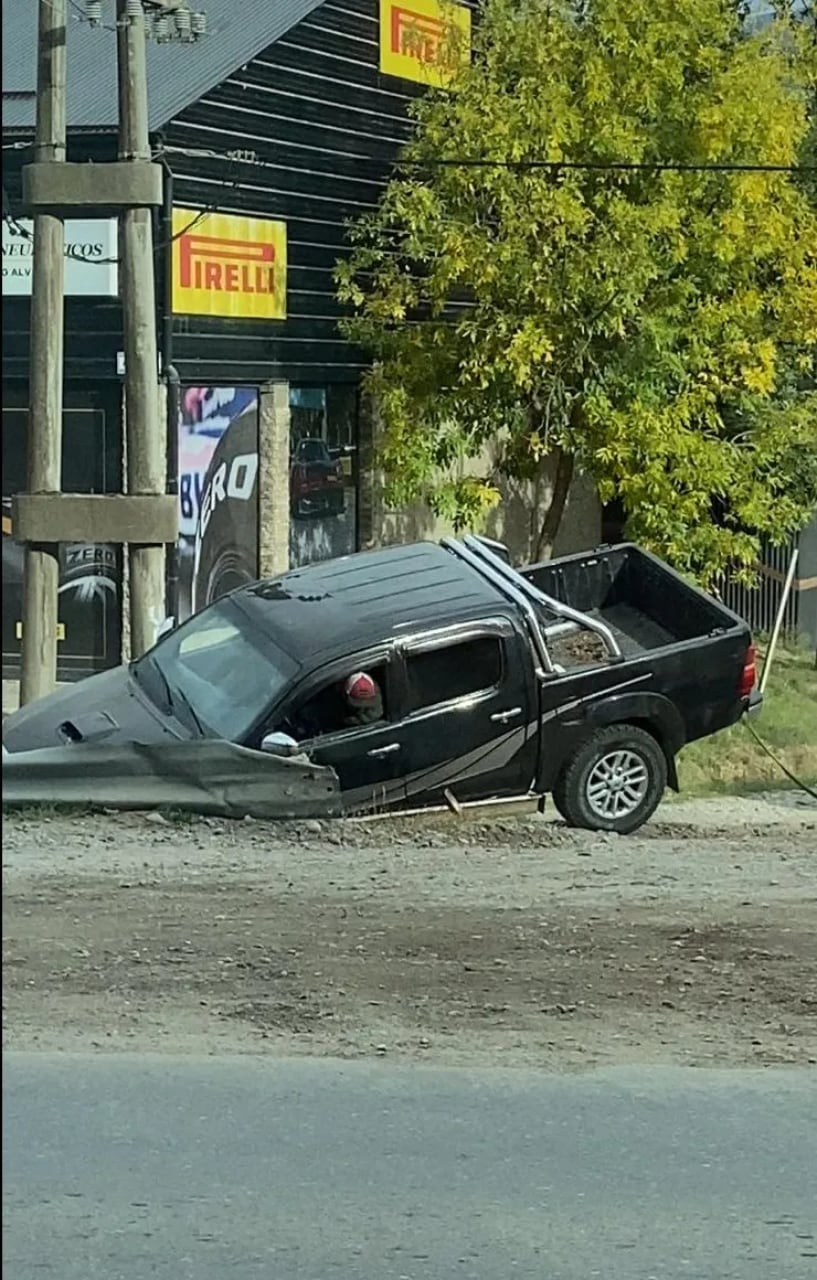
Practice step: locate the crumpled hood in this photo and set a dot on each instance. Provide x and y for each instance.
(103, 708)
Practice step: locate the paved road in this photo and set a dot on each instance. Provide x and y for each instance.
(132, 1168)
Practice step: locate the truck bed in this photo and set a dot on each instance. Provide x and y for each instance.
(645, 604)
(635, 632)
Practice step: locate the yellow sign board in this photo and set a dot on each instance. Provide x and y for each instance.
(228, 265)
(414, 41)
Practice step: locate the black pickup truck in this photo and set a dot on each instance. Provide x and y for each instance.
(581, 678)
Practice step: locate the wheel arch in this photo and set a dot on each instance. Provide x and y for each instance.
(652, 712)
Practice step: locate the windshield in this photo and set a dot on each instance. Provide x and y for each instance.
(218, 672)
(312, 451)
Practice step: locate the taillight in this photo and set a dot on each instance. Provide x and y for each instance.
(748, 675)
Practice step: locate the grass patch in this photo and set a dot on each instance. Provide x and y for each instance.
(49, 810)
(733, 761)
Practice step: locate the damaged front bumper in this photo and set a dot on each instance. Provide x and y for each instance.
(207, 776)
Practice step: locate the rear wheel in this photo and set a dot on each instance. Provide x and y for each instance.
(614, 782)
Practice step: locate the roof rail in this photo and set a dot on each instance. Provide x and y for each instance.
(483, 550)
(511, 592)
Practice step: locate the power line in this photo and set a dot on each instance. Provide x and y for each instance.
(802, 786)
(252, 157)
(17, 226)
(14, 223)
(604, 166)
(601, 166)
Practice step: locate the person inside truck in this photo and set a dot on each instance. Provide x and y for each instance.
(364, 701)
(350, 703)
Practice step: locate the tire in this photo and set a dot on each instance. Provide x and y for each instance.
(588, 793)
(229, 572)
(90, 572)
(226, 554)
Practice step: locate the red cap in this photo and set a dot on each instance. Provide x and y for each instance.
(360, 687)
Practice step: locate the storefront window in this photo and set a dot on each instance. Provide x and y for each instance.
(323, 472)
(218, 485)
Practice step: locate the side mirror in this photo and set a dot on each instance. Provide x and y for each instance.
(280, 744)
(168, 625)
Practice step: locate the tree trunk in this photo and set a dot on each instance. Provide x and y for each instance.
(562, 478)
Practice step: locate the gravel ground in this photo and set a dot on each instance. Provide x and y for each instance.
(489, 942)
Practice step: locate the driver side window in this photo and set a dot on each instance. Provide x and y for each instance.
(329, 709)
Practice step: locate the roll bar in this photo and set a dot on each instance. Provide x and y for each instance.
(573, 619)
(511, 592)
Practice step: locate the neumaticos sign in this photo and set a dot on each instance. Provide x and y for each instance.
(90, 258)
(226, 265)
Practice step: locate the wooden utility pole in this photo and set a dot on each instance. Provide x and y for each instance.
(144, 424)
(38, 673)
(145, 519)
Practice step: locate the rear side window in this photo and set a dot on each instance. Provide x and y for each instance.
(456, 671)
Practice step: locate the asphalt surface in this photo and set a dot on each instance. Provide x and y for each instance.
(128, 1168)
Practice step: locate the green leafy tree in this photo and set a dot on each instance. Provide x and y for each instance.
(655, 328)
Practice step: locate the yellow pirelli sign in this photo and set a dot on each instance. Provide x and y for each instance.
(424, 40)
(228, 265)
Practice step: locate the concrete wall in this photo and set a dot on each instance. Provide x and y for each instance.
(510, 523)
(515, 521)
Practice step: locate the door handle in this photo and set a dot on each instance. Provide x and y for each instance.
(502, 717)
(384, 751)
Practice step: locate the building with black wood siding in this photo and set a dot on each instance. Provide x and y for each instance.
(275, 130)
(281, 113)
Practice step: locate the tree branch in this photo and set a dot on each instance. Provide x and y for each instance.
(562, 480)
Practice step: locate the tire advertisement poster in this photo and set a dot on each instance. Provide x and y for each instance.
(90, 575)
(88, 604)
(218, 489)
(218, 493)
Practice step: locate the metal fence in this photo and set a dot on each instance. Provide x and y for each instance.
(759, 604)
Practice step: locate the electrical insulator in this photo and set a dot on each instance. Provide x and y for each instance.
(93, 12)
(184, 23)
(161, 27)
(133, 9)
(198, 24)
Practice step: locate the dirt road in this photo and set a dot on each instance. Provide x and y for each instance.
(507, 942)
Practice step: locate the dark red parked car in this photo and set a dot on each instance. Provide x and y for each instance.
(315, 481)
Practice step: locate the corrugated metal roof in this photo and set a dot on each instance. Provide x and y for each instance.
(178, 74)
